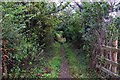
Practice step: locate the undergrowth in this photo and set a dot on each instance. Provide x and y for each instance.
(54, 61)
(47, 64)
(78, 63)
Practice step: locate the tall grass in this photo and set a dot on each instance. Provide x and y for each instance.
(54, 61)
(47, 64)
(78, 63)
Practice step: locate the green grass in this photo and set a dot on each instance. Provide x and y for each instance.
(49, 59)
(54, 61)
(78, 64)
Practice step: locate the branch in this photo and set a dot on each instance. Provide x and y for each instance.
(80, 7)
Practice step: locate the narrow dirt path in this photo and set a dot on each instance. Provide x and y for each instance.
(64, 70)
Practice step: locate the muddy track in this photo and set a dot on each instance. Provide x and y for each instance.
(64, 70)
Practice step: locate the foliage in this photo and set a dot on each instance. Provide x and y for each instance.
(117, 25)
(30, 28)
(89, 25)
(27, 28)
(54, 63)
(79, 26)
(78, 63)
(59, 37)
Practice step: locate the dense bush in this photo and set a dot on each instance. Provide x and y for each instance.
(27, 28)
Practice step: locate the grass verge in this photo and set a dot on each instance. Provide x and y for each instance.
(78, 64)
(54, 61)
(46, 65)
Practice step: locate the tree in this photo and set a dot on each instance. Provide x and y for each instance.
(27, 27)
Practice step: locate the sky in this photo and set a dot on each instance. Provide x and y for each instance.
(57, 0)
(84, 0)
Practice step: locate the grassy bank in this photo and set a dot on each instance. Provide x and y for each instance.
(46, 64)
(54, 61)
(78, 63)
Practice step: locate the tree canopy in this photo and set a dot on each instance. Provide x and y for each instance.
(30, 28)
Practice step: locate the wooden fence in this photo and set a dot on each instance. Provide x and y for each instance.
(106, 62)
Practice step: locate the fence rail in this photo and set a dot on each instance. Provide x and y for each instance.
(102, 62)
(108, 72)
(107, 61)
(110, 48)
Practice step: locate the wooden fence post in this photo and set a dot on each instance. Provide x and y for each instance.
(114, 55)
